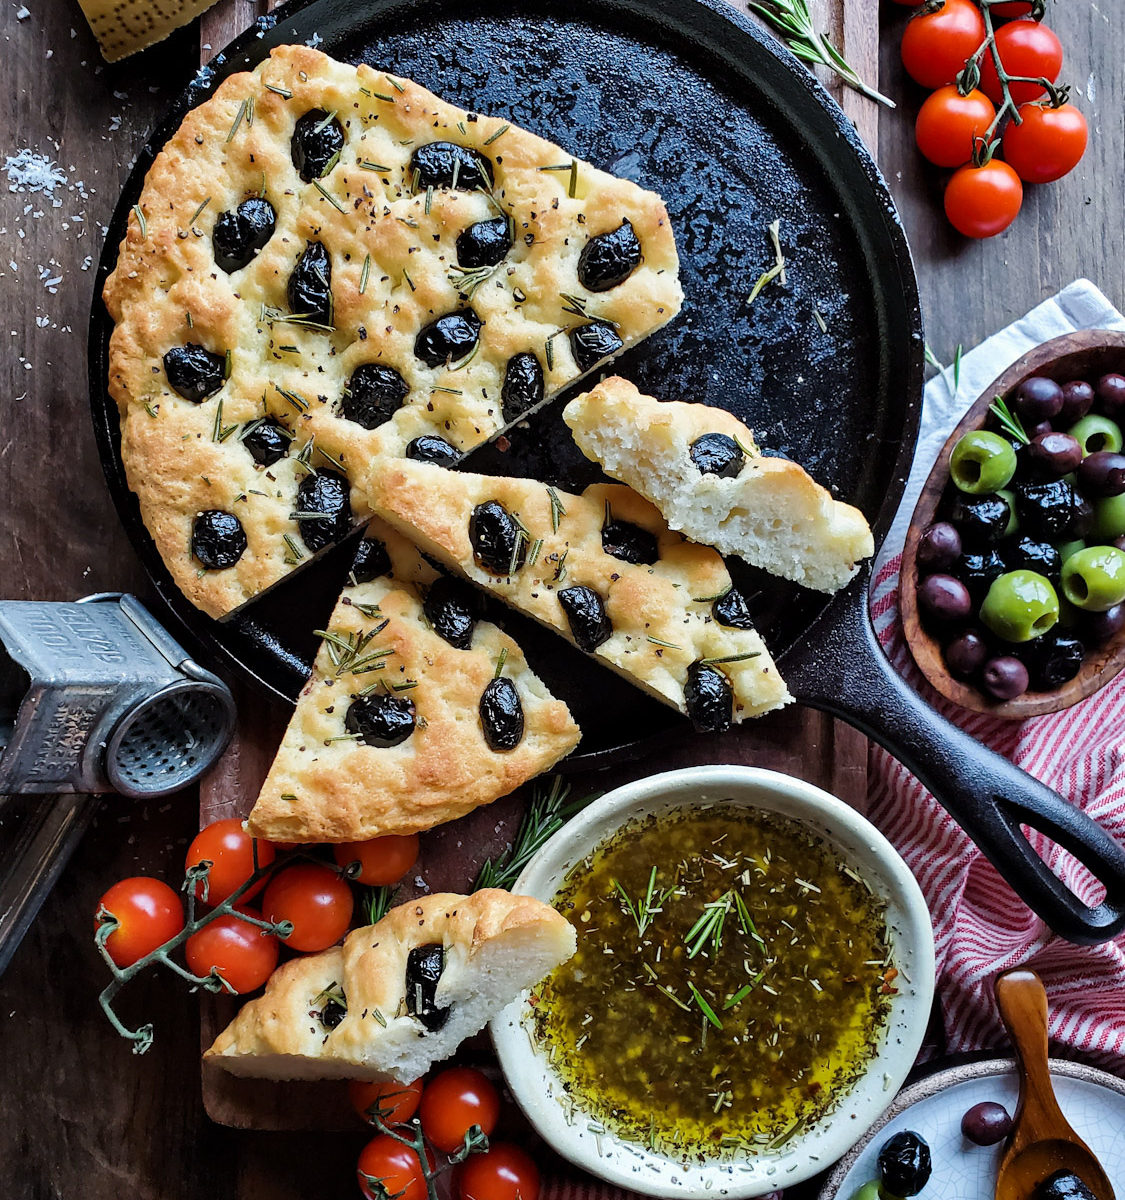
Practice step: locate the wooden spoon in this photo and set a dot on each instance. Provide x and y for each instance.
(1041, 1141)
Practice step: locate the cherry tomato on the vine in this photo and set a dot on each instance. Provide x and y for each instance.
(315, 899)
(230, 851)
(935, 45)
(1025, 48)
(148, 914)
(383, 860)
(948, 123)
(388, 1168)
(1047, 144)
(502, 1172)
(981, 202)
(394, 1103)
(453, 1102)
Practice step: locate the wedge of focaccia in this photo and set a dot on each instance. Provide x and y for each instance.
(604, 570)
(699, 465)
(373, 271)
(399, 995)
(416, 712)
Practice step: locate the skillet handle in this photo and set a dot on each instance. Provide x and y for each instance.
(840, 667)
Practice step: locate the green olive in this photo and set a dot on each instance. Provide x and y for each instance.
(869, 1191)
(1020, 605)
(1094, 578)
(1109, 518)
(1096, 433)
(1066, 549)
(1013, 521)
(982, 462)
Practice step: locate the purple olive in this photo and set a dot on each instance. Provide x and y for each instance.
(1078, 399)
(1102, 474)
(1034, 431)
(986, 1123)
(1039, 399)
(1119, 542)
(944, 598)
(965, 655)
(1111, 392)
(1005, 678)
(1055, 454)
(939, 547)
(1101, 626)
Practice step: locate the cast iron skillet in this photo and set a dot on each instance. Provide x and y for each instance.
(690, 98)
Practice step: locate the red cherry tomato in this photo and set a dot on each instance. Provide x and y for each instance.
(388, 1168)
(394, 1103)
(935, 45)
(383, 860)
(948, 123)
(453, 1102)
(148, 914)
(315, 899)
(981, 202)
(230, 851)
(1025, 48)
(502, 1172)
(1047, 144)
(244, 955)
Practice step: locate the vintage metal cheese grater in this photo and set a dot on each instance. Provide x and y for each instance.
(95, 696)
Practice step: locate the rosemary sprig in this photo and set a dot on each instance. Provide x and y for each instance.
(376, 902)
(777, 271)
(1009, 422)
(708, 928)
(644, 910)
(467, 279)
(557, 509)
(704, 1007)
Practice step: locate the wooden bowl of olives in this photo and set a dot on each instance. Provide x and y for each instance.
(1012, 585)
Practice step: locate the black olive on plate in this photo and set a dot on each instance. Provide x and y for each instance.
(982, 520)
(448, 338)
(217, 539)
(332, 1014)
(1056, 659)
(523, 385)
(944, 600)
(709, 697)
(194, 372)
(433, 449)
(630, 543)
(484, 244)
(609, 259)
(1005, 678)
(381, 720)
(1078, 399)
(1031, 555)
(445, 164)
(977, 571)
(1047, 510)
(371, 560)
(267, 440)
(1062, 1185)
(590, 625)
(424, 965)
(732, 610)
(1102, 474)
(904, 1164)
(717, 454)
(317, 138)
(324, 500)
(1111, 392)
(966, 654)
(1054, 454)
(592, 342)
(452, 608)
(986, 1123)
(499, 544)
(239, 235)
(939, 547)
(309, 290)
(501, 715)
(1038, 399)
(373, 395)
(1099, 627)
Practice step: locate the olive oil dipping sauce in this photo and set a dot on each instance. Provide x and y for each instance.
(732, 979)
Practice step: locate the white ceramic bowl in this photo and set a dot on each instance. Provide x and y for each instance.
(631, 1165)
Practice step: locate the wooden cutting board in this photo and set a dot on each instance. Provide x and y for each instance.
(798, 741)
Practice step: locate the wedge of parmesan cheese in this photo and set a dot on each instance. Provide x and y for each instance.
(123, 27)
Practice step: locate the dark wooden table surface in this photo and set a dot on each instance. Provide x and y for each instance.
(79, 1117)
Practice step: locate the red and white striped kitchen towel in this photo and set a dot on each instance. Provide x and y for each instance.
(979, 926)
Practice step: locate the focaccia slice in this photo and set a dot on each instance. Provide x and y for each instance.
(700, 466)
(416, 712)
(338, 250)
(399, 995)
(604, 570)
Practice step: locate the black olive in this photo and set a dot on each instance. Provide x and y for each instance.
(1056, 659)
(424, 965)
(585, 611)
(326, 494)
(433, 449)
(371, 560)
(332, 1014)
(523, 385)
(239, 235)
(484, 244)
(217, 539)
(1047, 510)
(448, 338)
(904, 1164)
(317, 139)
(629, 542)
(194, 372)
(1062, 1185)
(977, 571)
(981, 520)
(445, 164)
(732, 610)
(1028, 554)
(452, 608)
(591, 343)
(267, 440)
(499, 544)
(717, 454)
(501, 715)
(373, 395)
(380, 720)
(609, 259)
(709, 697)
(310, 286)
